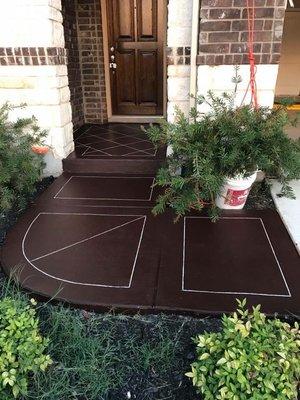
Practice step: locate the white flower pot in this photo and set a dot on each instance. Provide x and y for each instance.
(234, 193)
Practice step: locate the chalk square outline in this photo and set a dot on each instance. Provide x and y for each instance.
(56, 196)
(183, 289)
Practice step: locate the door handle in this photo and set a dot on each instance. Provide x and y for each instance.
(112, 65)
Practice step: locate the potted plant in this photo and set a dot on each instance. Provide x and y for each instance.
(214, 157)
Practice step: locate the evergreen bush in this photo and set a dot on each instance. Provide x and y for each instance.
(20, 167)
(226, 142)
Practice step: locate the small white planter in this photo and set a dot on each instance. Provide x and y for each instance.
(234, 193)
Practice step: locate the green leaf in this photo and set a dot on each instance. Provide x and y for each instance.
(270, 385)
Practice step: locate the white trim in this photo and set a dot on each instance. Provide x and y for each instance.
(104, 198)
(183, 289)
(139, 217)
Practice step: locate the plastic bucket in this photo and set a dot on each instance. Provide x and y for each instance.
(234, 193)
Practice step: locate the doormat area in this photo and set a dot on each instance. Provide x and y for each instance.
(92, 241)
(113, 140)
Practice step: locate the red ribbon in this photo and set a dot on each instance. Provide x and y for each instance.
(251, 22)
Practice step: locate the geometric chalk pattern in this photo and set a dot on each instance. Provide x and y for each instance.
(90, 249)
(233, 267)
(119, 140)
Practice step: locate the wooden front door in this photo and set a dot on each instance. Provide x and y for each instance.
(135, 46)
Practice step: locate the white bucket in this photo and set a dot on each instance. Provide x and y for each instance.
(234, 193)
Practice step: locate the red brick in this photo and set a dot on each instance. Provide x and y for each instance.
(266, 47)
(216, 3)
(220, 14)
(237, 58)
(223, 37)
(215, 26)
(214, 48)
(219, 59)
(238, 48)
(259, 36)
(243, 3)
(228, 59)
(275, 58)
(260, 13)
(268, 25)
(242, 25)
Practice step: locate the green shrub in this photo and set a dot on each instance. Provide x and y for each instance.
(20, 167)
(21, 347)
(228, 141)
(251, 358)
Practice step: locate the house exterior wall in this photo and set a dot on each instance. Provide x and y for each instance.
(223, 35)
(90, 40)
(54, 60)
(84, 42)
(223, 44)
(33, 71)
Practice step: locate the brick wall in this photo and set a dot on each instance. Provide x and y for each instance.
(223, 32)
(74, 68)
(32, 56)
(90, 41)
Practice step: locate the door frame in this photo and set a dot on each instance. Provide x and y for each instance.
(131, 118)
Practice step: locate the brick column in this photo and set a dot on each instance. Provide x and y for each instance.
(223, 44)
(33, 70)
(90, 40)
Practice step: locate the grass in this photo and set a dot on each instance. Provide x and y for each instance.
(114, 356)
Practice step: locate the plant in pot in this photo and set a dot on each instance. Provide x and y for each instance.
(214, 157)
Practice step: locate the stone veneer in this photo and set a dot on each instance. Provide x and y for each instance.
(32, 43)
(179, 29)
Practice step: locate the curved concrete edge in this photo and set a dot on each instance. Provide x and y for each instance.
(288, 209)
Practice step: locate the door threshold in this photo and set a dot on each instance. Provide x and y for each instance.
(144, 119)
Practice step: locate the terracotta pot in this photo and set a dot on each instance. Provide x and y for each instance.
(37, 149)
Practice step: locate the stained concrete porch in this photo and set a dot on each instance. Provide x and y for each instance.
(91, 240)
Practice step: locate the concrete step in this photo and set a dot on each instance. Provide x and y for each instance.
(74, 164)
